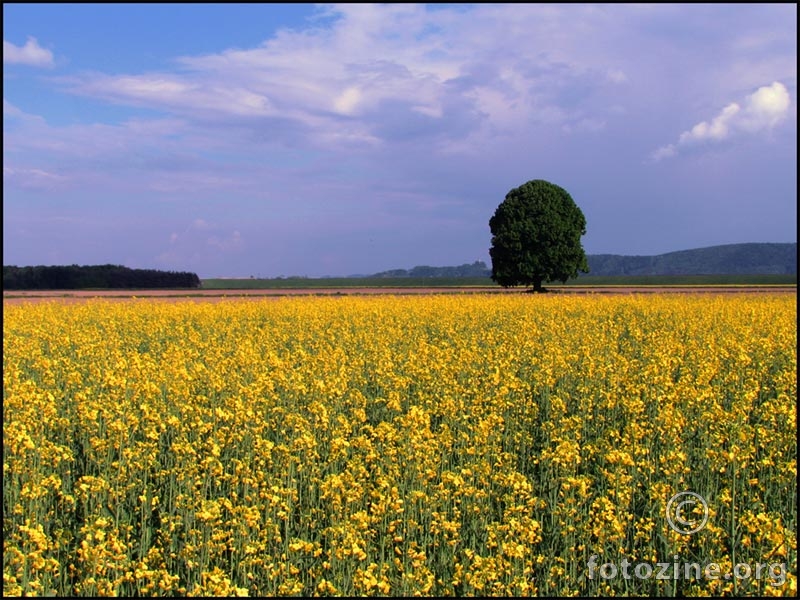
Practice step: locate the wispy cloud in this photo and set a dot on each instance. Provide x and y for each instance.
(32, 179)
(761, 111)
(31, 54)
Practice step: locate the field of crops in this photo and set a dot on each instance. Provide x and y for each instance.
(430, 445)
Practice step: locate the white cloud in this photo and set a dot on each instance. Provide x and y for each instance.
(31, 54)
(764, 109)
(348, 101)
(760, 112)
(717, 129)
(149, 87)
(209, 96)
(378, 73)
(664, 152)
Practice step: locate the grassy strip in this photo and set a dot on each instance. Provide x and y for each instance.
(444, 282)
(225, 285)
(345, 282)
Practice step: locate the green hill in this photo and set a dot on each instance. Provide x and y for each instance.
(729, 259)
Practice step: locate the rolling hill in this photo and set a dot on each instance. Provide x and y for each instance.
(728, 259)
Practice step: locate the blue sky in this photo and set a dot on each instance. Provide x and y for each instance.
(300, 139)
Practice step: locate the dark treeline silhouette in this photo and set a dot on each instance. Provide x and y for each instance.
(476, 269)
(76, 277)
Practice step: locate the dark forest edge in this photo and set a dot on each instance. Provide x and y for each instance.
(74, 277)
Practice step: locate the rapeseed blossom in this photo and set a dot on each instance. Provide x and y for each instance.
(439, 445)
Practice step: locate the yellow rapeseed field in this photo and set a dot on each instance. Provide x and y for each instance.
(436, 445)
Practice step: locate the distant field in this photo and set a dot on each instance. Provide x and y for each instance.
(411, 282)
(339, 282)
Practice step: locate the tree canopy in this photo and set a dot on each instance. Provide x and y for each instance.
(536, 236)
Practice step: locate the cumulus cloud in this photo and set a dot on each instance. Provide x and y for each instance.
(764, 109)
(761, 111)
(31, 54)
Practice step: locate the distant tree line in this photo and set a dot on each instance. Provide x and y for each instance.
(476, 269)
(76, 277)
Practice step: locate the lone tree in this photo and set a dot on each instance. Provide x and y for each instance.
(536, 236)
